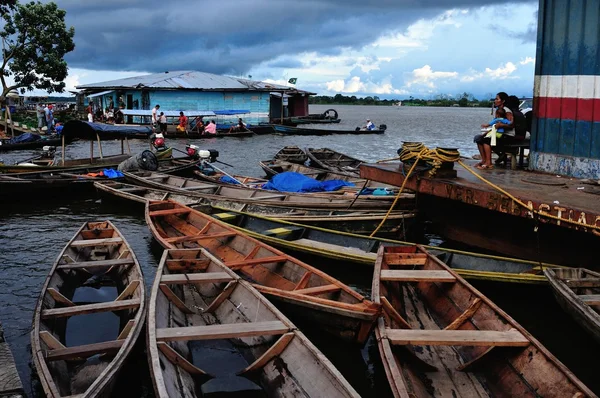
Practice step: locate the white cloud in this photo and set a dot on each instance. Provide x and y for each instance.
(356, 85)
(527, 60)
(426, 76)
(503, 72)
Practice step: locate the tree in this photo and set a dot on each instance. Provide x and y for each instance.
(35, 40)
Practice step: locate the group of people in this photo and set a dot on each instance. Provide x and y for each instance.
(508, 125)
(109, 115)
(45, 116)
(159, 119)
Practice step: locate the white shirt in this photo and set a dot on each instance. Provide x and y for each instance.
(154, 114)
(370, 125)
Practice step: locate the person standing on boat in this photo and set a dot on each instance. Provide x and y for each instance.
(41, 116)
(211, 127)
(90, 113)
(49, 118)
(162, 122)
(183, 121)
(154, 115)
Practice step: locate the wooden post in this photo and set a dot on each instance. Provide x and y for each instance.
(9, 117)
(122, 146)
(99, 145)
(281, 120)
(63, 149)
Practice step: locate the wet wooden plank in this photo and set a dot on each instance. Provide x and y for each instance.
(228, 331)
(417, 276)
(10, 383)
(508, 338)
(90, 308)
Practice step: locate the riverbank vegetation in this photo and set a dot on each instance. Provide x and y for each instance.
(461, 100)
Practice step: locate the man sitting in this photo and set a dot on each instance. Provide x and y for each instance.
(211, 127)
(241, 126)
(369, 125)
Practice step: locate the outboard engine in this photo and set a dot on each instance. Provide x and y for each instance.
(209, 155)
(383, 127)
(48, 152)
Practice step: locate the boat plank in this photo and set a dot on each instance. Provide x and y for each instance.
(97, 264)
(96, 242)
(417, 276)
(84, 350)
(590, 299)
(212, 332)
(509, 338)
(209, 277)
(90, 308)
(271, 353)
(319, 289)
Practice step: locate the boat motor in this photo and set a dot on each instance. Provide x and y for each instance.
(48, 152)
(208, 155)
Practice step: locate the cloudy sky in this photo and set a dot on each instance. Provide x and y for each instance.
(388, 48)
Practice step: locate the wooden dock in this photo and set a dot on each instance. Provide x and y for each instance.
(468, 210)
(10, 383)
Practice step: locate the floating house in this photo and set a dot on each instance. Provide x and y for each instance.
(196, 94)
(566, 126)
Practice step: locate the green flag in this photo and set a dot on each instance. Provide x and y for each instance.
(293, 80)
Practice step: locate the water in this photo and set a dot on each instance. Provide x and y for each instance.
(32, 235)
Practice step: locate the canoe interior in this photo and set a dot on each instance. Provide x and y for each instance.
(341, 309)
(80, 349)
(219, 335)
(440, 337)
(331, 160)
(359, 221)
(210, 191)
(291, 153)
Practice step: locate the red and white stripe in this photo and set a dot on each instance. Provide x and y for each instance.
(572, 97)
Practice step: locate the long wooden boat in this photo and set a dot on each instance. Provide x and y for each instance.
(440, 337)
(358, 221)
(49, 164)
(329, 159)
(194, 187)
(577, 291)
(273, 167)
(217, 177)
(321, 298)
(62, 183)
(195, 309)
(6, 144)
(291, 153)
(290, 130)
(321, 240)
(98, 255)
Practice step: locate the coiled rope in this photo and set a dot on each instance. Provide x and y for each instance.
(412, 152)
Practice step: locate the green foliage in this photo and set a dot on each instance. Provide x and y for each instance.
(463, 100)
(36, 40)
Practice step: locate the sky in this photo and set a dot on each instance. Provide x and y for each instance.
(392, 49)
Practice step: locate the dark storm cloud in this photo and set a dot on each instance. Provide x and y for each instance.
(529, 35)
(231, 36)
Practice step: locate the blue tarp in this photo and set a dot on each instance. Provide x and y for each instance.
(25, 137)
(88, 131)
(296, 182)
(111, 173)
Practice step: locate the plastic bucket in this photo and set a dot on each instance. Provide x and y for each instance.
(145, 160)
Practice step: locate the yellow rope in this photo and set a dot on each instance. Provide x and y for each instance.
(518, 201)
(415, 151)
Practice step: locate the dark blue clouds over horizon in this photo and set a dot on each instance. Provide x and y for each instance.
(390, 48)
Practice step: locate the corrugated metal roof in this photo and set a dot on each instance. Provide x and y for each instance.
(188, 80)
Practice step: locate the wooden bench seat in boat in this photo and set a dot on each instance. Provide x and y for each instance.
(583, 282)
(590, 299)
(254, 261)
(192, 238)
(84, 351)
(208, 277)
(227, 331)
(97, 264)
(96, 242)
(90, 308)
(417, 276)
(168, 212)
(509, 338)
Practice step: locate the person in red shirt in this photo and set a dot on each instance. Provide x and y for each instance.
(183, 121)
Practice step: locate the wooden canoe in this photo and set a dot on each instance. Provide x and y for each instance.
(273, 167)
(322, 299)
(97, 255)
(201, 189)
(357, 221)
(257, 183)
(291, 153)
(440, 337)
(200, 312)
(292, 130)
(329, 159)
(577, 291)
(47, 164)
